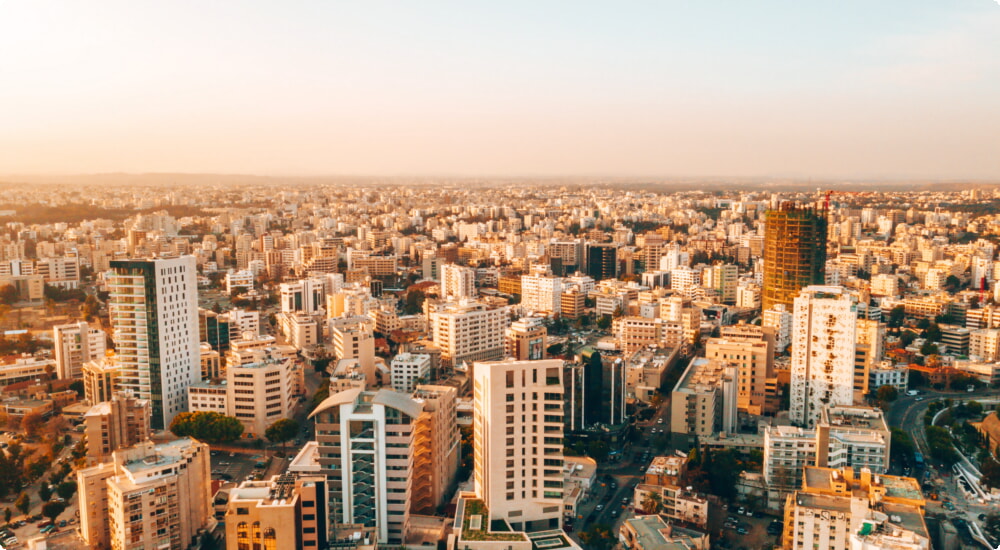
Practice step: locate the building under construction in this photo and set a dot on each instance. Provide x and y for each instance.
(794, 253)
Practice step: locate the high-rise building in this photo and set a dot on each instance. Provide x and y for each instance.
(149, 497)
(457, 282)
(305, 296)
(723, 279)
(780, 318)
(518, 424)
(856, 437)
(870, 336)
(824, 321)
(541, 292)
(76, 344)
(260, 393)
(154, 317)
(526, 339)
(602, 261)
(117, 423)
(794, 253)
(704, 400)
(283, 512)
(379, 449)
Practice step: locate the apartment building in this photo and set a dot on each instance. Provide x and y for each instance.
(868, 352)
(99, 378)
(853, 436)
(154, 316)
(847, 508)
(120, 422)
(378, 449)
(823, 355)
(76, 344)
(541, 292)
(704, 401)
(457, 282)
(306, 296)
(518, 424)
(258, 394)
(662, 492)
(468, 332)
(984, 344)
(149, 497)
(787, 449)
(754, 362)
(780, 319)
(285, 511)
(24, 368)
(409, 369)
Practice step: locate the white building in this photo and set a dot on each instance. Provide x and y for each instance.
(541, 292)
(304, 296)
(518, 442)
(408, 370)
(76, 344)
(823, 348)
(684, 280)
(469, 331)
(154, 317)
(781, 319)
(887, 374)
(985, 344)
(239, 280)
(260, 393)
(457, 282)
(885, 284)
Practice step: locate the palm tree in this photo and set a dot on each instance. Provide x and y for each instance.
(652, 502)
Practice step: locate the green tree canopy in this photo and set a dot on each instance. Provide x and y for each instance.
(282, 430)
(887, 394)
(66, 489)
(210, 427)
(52, 509)
(23, 503)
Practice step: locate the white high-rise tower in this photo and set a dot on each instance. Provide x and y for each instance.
(823, 339)
(154, 317)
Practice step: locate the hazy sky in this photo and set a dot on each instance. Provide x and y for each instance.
(871, 88)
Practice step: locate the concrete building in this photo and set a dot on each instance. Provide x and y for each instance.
(25, 368)
(823, 351)
(722, 278)
(794, 253)
(469, 331)
(856, 437)
(984, 344)
(120, 422)
(787, 449)
(354, 339)
(378, 448)
(283, 512)
(76, 344)
(662, 492)
(754, 362)
(408, 370)
(156, 496)
(99, 378)
(300, 330)
(845, 508)
(704, 400)
(305, 296)
(518, 442)
(541, 292)
(885, 284)
(526, 339)
(260, 393)
(652, 532)
(868, 351)
(154, 316)
(457, 282)
(780, 318)
(239, 281)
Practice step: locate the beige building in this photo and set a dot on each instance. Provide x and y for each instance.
(25, 368)
(753, 358)
(355, 340)
(75, 344)
(300, 330)
(704, 400)
(156, 497)
(387, 455)
(99, 380)
(284, 512)
(259, 394)
(870, 338)
(653, 533)
(661, 492)
(518, 439)
(844, 508)
(526, 339)
(117, 423)
(853, 436)
(468, 332)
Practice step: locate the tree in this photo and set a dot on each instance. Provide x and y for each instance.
(66, 489)
(604, 323)
(8, 295)
(77, 386)
(23, 503)
(907, 337)
(886, 394)
(91, 307)
(211, 427)
(282, 431)
(598, 537)
(7, 514)
(651, 502)
(45, 492)
(32, 422)
(929, 348)
(52, 509)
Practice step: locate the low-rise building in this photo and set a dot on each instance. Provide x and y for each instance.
(285, 511)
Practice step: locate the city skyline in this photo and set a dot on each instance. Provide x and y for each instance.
(901, 90)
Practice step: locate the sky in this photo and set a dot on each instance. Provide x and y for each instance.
(887, 89)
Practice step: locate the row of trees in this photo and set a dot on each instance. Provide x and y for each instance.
(213, 427)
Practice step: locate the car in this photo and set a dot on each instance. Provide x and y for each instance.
(741, 510)
(660, 421)
(742, 530)
(62, 523)
(614, 513)
(599, 507)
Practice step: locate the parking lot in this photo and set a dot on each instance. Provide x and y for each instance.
(235, 467)
(730, 529)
